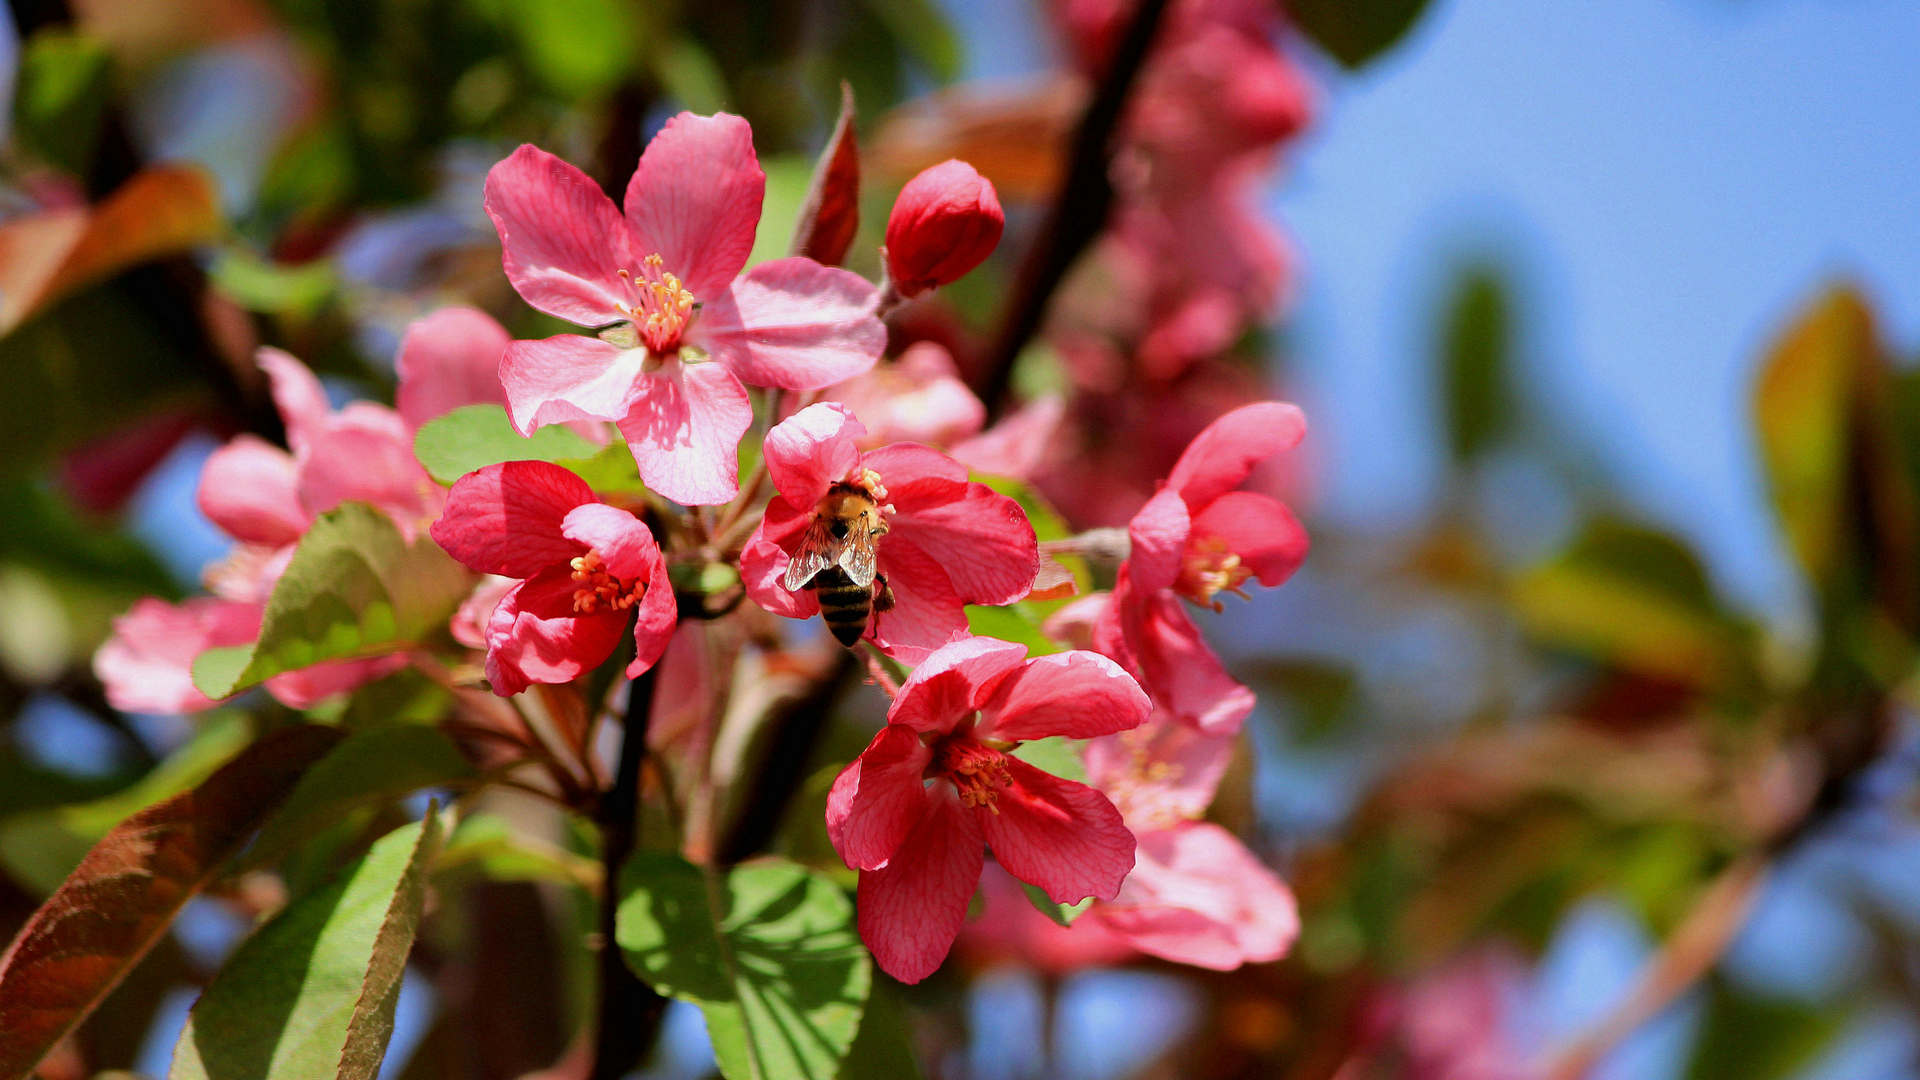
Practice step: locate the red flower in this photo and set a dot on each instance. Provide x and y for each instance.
(585, 566)
(1197, 538)
(938, 784)
(946, 221)
(949, 542)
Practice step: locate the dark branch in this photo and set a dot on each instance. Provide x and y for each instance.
(796, 732)
(1079, 210)
(630, 1010)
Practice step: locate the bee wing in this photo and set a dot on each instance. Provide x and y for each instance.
(856, 556)
(817, 551)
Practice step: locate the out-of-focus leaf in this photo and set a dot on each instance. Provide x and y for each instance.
(313, 992)
(275, 289)
(371, 767)
(1016, 138)
(354, 587)
(1322, 694)
(63, 87)
(40, 848)
(1476, 363)
(1746, 1037)
(475, 436)
(691, 75)
(884, 1046)
(577, 48)
(1010, 624)
(1638, 600)
(922, 27)
(768, 952)
(787, 178)
(489, 843)
(165, 210)
(1056, 754)
(830, 214)
(1062, 914)
(122, 896)
(611, 470)
(1355, 31)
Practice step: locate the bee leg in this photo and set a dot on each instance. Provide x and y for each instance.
(882, 594)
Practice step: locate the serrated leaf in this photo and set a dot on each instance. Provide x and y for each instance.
(312, 993)
(371, 767)
(475, 436)
(830, 215)
(1355, 31)
(354, 588)
(1062, 914)
(125, 893)
(768, 951)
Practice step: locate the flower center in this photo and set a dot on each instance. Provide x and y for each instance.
(978, 770)
(1208, 568)
(598, 590)
(662, 306)
(1134, 790)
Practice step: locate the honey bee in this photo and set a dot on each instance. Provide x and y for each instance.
(835, 560)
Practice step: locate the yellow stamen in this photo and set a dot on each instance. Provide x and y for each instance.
(599, 590)
(1207, 569)
(662, 307)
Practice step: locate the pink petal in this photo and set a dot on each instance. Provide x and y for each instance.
(654, 620)
(298, 395)
(1161, 773)
(684, 427)
(910, 911)
(918, 474)
(763, 562)
(448, 359)
(247, 488)
(534, 637)
(926, 614)
(952, 682)
(365, 454)
(1265, 534)
(1016, 446)
(1198, 896)
(878, 798)
(1075, 623)
(469, 624)
(147, 665)
(1176, 665)
(695, 200)
(1158, 536)
(794, 324)
(622, 540)
(1064, 837)
(1077, 694)
(507, 518)
(569, 377)
(812, 450)
(307, 687)
(562, 242)
(1220, 457)
(917, 398)
(981, 538)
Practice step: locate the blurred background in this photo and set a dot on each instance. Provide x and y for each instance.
(1586, 735)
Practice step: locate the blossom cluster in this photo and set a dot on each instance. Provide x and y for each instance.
(876, 520)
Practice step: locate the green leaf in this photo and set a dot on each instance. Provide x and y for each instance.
(374, 766)
(1064, 914)
(611, 470)
(922, 29)
(1476, 363)
(788, 178)
(578, 48)
(475, 436)
(768, 951)
(488, 843)
(312, 993)
(1746, 1037)
(273, 288)
(355, 587)
(1355, 31)
(62, 93)
(1056, 754)
(1012, 623)
(884, 1046)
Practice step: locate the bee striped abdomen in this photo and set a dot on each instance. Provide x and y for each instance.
(843, 604)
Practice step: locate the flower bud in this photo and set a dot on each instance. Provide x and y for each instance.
(945, 222)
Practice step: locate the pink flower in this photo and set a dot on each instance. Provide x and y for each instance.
(448, 359)
(1195, 539)
(584, 567)
(948, 542)
(1010, 930)
(685, 327)
(1198, 896)
(918, 845)
(917, 398)
(946, 221)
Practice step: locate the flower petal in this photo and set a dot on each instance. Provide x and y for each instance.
(918, 474)
(910, 911)
(308, 686)
(364, 453)
(812, 450)
(298, 395)
(795, 324)
(1157, 536)
(763, 562)
(878, 798)
(1064, 837)
(247, 488)
(695, 200)
(917, 398)
(534, 637)
(1264, 533)
(507, 518)
(926, 613)
(1161, 773)
(655, 619)
(562, 241)
(1198, 896)
(147, 665)
(684, 428)
(569, 377)
(1176, 665)
(623, 541)
(448, 359)
(1220, 457)
(953, 682)
(979, 537)
(1078, 694)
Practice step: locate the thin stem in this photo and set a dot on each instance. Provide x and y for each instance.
(877, 669)
(630, 1010)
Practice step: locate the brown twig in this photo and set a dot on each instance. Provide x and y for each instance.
(1079, 209)
(630, 1010)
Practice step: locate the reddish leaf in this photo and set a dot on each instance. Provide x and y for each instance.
(831, 213)
(123, 895)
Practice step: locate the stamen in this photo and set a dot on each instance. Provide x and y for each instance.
(977, 770)
(599, 590)
(1207, 569)
(662, 307)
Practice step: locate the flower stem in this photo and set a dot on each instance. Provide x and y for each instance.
(630, 1010)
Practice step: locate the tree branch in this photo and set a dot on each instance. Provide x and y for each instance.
(630, 1010)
